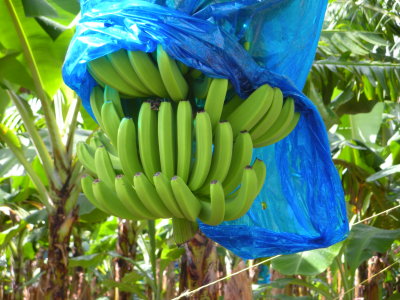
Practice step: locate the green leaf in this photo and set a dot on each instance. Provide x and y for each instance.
(13, 69)
(344, 97)
(383, 173)
(365, 127)
(52, 28)
(37, 217)
(43, 49)
(37, 8)
(306, 263)
(10, 166)
(283, 282)
(28, 251)
(395, 150)
(395, 296)
(172, 254)
(86, 261)
(369, 89)
(88, 212)
(127, 284)
(365, 240)
(88, 122)
(7, 235)
(4, 100)
(39, 170)
(67, 10)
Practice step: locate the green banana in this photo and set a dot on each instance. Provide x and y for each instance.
(188, 202)
(241, 157)
(128, 149)
(120, 62)
(261, 172)
(195, 73)
(100, 139)
(203, 152)
(230, 106)
(270, 117)
(96, 102)
(184, 139)
(95, 142)
(130, 200)
(109, 200)
(86, 157)
(282, 134)
(215, 99)
(148, 140)
(166, 194)
(149, 196)
(104, 167)
(98, 81)
(102, 69)
(199, 86)
(112, 95)
(110, 121)
(184, 68)
(171, 75)
(240, 203)
(87, 189)
(281, 124)
(147, 72)
(166, 139)
(222, 155)
(246, 115)
(213, 213)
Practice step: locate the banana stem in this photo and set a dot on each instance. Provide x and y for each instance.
(72, 127)
(58, 147)
(342, 275)
(152, 254)
(44, 196)
(40, 147)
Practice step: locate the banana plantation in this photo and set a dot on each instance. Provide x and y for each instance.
(199, 149)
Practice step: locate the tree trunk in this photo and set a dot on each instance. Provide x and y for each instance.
(80, 288)
(60, 226)
(375, 265)
(239, 286)
(199, 266)
(126, 246)
(168, 281)
(360, 275)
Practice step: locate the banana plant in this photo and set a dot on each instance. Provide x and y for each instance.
(26, 69)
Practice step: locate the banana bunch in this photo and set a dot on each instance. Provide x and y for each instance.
(182, 148)
(171, 164)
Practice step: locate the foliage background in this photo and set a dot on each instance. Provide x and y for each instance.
(44, 219)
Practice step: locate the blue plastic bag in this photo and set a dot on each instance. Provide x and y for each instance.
(301, 205)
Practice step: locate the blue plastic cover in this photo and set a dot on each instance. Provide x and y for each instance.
(304, 200)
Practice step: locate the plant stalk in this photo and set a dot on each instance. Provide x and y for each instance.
(58, 147)
(342, 275)
(40, 147)
(152, 236)
(72, 127)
